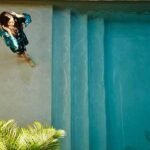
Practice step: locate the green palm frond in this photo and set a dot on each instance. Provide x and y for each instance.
(40, 137)
(2, 146)
(34, 137)
(8, 134)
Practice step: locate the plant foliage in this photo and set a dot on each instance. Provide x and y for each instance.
(34, 137)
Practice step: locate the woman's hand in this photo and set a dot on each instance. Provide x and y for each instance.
(7, 29)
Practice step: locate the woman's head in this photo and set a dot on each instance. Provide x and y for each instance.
(7, 19)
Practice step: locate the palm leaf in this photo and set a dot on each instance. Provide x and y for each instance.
(34, 137)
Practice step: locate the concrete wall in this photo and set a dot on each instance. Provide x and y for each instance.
(25, 92)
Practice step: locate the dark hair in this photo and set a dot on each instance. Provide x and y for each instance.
(4, 18)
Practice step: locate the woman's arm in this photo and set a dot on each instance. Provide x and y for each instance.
(10, 40)
(24, 17)
(17, 15)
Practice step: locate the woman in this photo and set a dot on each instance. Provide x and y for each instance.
(12, 32)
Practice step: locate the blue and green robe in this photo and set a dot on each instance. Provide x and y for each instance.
(17, 43)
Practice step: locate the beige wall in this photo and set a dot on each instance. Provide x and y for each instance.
(25, 92)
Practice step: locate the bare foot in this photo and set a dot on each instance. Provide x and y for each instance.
(27, 59)
(26, 56)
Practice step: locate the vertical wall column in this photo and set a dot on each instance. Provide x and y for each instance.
(79, 83)
(97, 112)
(61, 73)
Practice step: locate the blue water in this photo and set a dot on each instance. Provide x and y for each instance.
(101, 80)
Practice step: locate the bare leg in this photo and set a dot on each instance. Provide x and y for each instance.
(22, 54)
(27, 58)
(19, 55)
